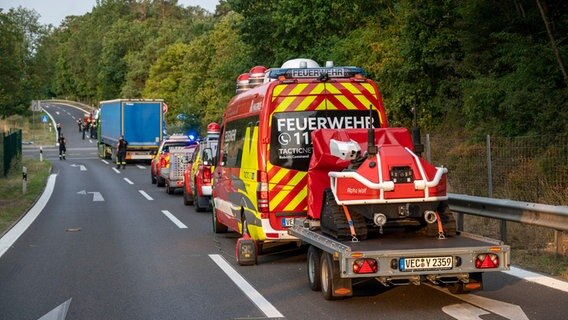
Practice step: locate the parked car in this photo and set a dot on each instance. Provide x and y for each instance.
(161, 158)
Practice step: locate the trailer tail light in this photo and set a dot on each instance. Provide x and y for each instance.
(262, 192)
(367, 265)
(206, 174)
(487, 261)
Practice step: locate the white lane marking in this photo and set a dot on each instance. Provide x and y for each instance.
(174, 219)
(59, 313)
(116, 170)
(464, 311)
(74, 117)
(504, 309)
(90, 141)
(266, 307)
(538, 278)
(140, 166)
(97, 196)
(145, 195)
(83, 168)
(104, 161)
(11, 236)
(128, 180)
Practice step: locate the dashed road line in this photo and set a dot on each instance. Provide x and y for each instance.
(128, 180)
(145, 195)
(266, 307)
(174, 219)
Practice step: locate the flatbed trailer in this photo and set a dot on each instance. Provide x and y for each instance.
(398, 257)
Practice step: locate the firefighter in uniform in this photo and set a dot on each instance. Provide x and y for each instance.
(121, 152)
(62, 148)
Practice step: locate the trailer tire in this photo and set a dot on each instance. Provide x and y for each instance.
(460, 288)
(328, 276)
(314, 268)
(217, 226)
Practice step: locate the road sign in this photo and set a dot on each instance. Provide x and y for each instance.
(36, 106)
(44, 118)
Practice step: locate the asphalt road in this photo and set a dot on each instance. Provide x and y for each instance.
(111, 245)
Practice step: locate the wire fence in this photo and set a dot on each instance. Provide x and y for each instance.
(529, 168)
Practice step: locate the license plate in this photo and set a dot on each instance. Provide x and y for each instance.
(425, 263)
(287, 222)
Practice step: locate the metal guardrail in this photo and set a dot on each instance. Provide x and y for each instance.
(542, 215)
(535, 214)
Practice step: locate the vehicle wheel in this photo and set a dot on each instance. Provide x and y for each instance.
(326, 276)
(186, 200)
(169, 190)
(196, 198)
(314, 268)
(160, 182)
(217, 226)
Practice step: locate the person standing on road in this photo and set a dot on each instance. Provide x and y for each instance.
(62, 148)
(121, 152)
(84, 129)
(80, 124)
(58, 130)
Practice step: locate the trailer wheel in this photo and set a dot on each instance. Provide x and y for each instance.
(217, 226)
(327, 276)
(314, 268)
(460, 287)
(186, 199)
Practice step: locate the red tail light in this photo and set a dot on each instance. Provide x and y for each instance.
(365, 266)
(262, 191)
(163, 162)
(206, 175)
(487, 261)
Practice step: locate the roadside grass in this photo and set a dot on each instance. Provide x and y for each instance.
(13, 204)
(531, 247)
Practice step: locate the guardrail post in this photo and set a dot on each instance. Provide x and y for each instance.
(561, 243)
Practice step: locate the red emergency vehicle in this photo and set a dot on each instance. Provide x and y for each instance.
(197, 176)
(265, 145)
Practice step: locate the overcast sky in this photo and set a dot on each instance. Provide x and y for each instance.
(53, 12)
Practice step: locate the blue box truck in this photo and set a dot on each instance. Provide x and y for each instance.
(141, 121)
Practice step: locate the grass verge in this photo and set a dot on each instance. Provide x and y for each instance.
(13, 204)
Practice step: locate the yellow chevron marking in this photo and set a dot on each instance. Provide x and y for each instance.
(326, 105)
(301, 196)
(282, 194)
(306, 102)
(298, 89)
(369, 88)
(332, 89)
(278, 89)
(346, 102)
(278, 176)
(283, 105)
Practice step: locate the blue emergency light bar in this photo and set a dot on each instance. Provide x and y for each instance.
(310, 73)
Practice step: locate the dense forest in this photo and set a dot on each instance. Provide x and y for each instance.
(488, 66)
